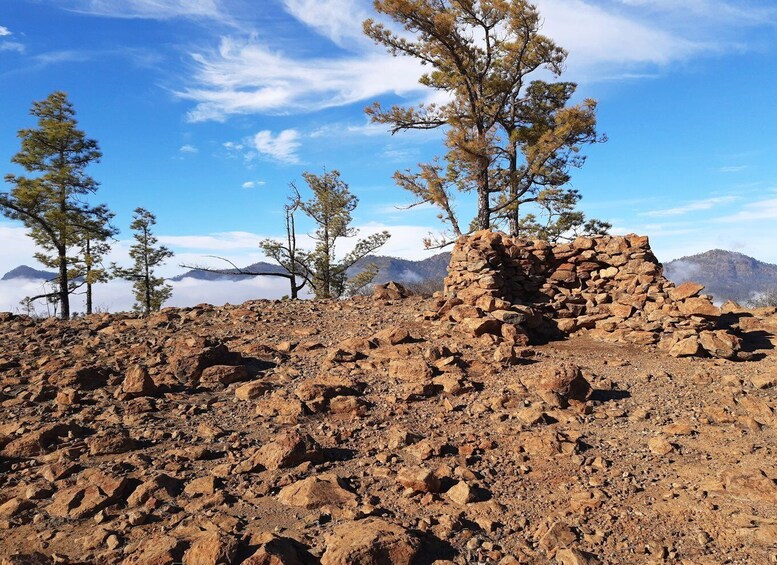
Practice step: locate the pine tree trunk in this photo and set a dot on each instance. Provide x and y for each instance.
(148, 276)
(484, 200)
(64, 297)
(293, 281)
(88, 278)
(484, 210)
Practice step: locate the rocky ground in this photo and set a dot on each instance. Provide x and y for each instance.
(368, 431)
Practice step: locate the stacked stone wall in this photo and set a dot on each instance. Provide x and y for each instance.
(611, 287)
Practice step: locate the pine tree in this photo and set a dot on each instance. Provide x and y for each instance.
(510, 140)
(330, 209)
(150, 291)
(51, 204)
(94, 245)
(286, 253)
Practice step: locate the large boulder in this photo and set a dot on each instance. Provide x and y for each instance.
(370, 542)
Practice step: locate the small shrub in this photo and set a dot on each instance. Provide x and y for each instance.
(766, 299)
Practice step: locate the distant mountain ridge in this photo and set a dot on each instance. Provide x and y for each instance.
(726, 275)
(389, 269)
(26, 272)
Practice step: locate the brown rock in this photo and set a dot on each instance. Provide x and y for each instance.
(481, 326)
(462, 493)
(14, 507)
(192, 356)
(764, 380)
(137, 382)
(274, 550)
(559, 535)
(720, 343)
(36, 442)
(77, 502)
(202, 486)
(411, 370)
(289, 450)
(251, 391)
(568, 556)
(418, 479)
(686, 290)
(660, 446)
(217, 376)
(390, 291)
(215, 548)
(699, 307)
(318, 491)
(162, 550)
(565, 380)
(113, 441)
(370, 542)
(394, 335)
(688, 347)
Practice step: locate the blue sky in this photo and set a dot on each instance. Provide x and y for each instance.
(206, 109)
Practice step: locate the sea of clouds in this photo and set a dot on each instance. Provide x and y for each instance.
(116, 296)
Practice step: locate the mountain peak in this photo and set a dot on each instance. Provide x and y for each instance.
(727, 275)
(27, 272)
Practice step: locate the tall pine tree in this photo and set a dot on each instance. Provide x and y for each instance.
(150, 290)
(330, 209)
(511, 138)
(51, 204)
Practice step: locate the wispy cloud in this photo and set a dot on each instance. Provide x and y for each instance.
(4, 31)
(63, 56)
(190, 149)
(14, 46)
(696, 206)
(618, 39)
(248, 77)
(337, 20)
(601, 39)
(148, 9)
(213, 242)
(733, 169)
(752, 12)
(281, 147)
(253, 184)
(753, 211)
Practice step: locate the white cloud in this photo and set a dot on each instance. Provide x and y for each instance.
(337, 20)
(696, 206)
(213, 242)
(607, 40)
(754, 13)
(188, 149)
(247, 77)
(282, 147)
(12, 46)
(754, 211)
(147, 9)
(601, 41)
(733, 169)
(17, 249)
(253, 183)
(4, 31)
(116, 295)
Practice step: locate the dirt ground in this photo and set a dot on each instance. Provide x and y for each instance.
(367, 431)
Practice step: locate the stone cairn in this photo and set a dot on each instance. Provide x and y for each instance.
(610, 287)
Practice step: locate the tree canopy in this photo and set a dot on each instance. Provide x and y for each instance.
(52, 201)
(150, 290)
(510, 140)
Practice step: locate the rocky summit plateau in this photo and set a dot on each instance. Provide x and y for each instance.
(553, 405)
